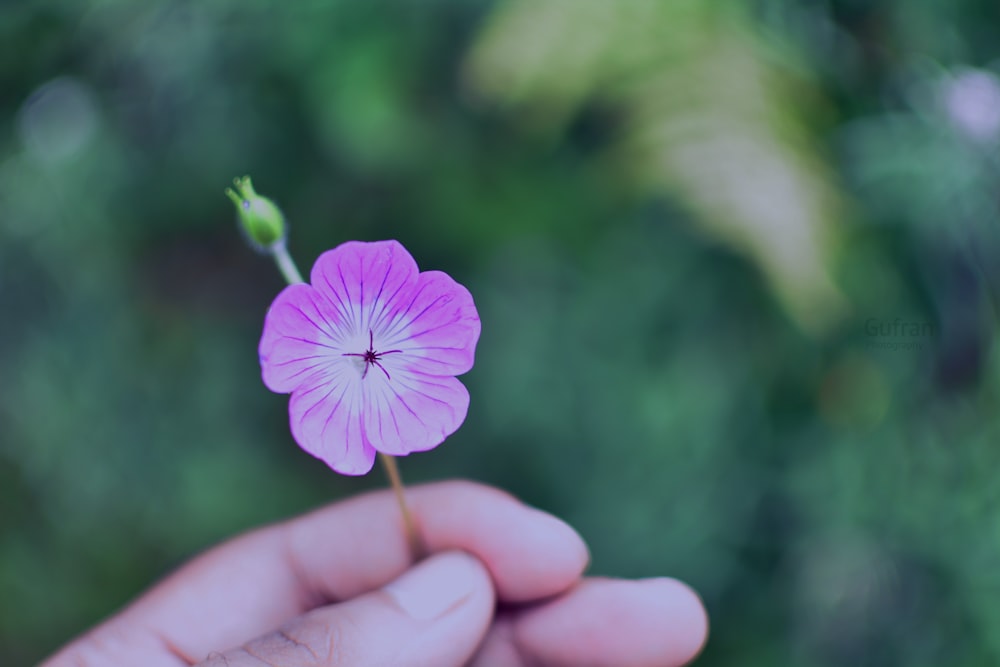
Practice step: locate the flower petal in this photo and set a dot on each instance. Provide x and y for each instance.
(302, 332)
(327, 422)
(368, 352)
(413, 412)
(362, 279)
(435, 325)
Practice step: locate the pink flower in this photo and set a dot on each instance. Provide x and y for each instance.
(369, 352)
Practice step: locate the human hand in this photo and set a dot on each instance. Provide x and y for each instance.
(336, 587)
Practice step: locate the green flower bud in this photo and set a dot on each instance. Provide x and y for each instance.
(260, 219)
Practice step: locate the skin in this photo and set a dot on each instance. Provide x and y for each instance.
(504, 587)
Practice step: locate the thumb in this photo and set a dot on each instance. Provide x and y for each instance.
(434, 615)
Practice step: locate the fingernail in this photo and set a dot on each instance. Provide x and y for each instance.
(435, 586)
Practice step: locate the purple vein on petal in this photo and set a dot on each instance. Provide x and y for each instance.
(417, 391)
(421, 314)
(433, 398)
(385, 305)
(361, 425)
(385, 407)
(375, 301)
(442, 362)
(334, 330)
(437, 376)
(298, 309)
(298, 359)
(361, 291)
(317, 403)
(331, 333)
(326, 423)
(394, 324)
(384, 401)
(350, 303)
(309, 342)
(406, 405)
(378, 410)
(430, 381)
(427, 331)
(400, 316)
(347, 422)
(395, 423)
(298, 372)
(342, 308)
(301, 372)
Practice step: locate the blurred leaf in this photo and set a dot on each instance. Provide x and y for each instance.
(704, 117)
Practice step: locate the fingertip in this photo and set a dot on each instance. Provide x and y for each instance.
(680, 606)
(645, 623)
(530, 554)
(568, 555)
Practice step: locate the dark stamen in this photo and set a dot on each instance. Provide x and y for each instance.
(371, 356)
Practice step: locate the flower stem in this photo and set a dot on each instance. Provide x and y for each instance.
(417, 549)
(286, 264)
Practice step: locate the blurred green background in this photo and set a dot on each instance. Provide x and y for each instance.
(737, 265)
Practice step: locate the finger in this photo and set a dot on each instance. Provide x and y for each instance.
(529, 553)
(435, 615)
(602, 623)
(256, 582)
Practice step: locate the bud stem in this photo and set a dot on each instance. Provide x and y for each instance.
(286, 264)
